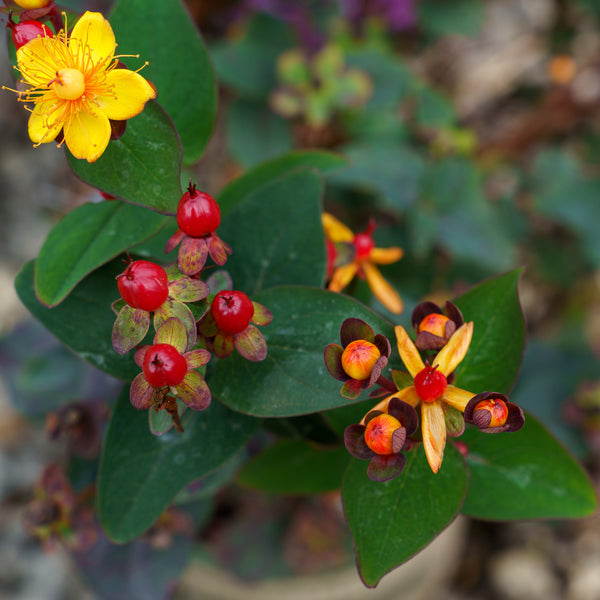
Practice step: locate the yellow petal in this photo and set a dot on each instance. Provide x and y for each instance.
(42, 127)
(386, 256)
(433, 428)
(92, 35)
(37, 60)
(457, 397)
(381, 288)
(341, 277)
(454, 351)
(408, 352)
(335, 230)
(408, 395)
(131, 92)
(87, 135)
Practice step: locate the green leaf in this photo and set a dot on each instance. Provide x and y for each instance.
(292, 380)
(84, 320)
(494, 357)
(143, 166)
(141, 473)
(389, 169)
(524, 475)
(277, 235)
(179, 66)
(295, 467)
(86, 238)
(237, 190)
(393, 520)
(255, 133)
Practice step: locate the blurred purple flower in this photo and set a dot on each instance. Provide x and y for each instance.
(398, 14)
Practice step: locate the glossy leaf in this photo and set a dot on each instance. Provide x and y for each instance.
(292, 380)
(143, 166)
(84, 320)
(264, 174)
(86, 238)
(524, 475)
(141, 473)
(179, 65)
(391, 521)
(278, 234)
(494, 357)
(295, 467)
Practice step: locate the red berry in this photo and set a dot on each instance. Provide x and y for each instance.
(197, 213)
(430, 384)
(26, 31)
(231, 311)
(164, 366)
(143, 285)
(363, 242)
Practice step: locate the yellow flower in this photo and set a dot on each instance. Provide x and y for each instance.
(362, 260)
(431, 390)
(31, 4)
(76, 88)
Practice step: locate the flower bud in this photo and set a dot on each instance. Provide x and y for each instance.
(381, 436)
(31, 4)
(490, 413)
(434, 323)
(359, 358)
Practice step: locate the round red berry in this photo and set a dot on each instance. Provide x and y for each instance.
(430, 384)
(164, 366)
(197, 213)
(143, 285)
(232, 311)
(25, 31)
(363, 242)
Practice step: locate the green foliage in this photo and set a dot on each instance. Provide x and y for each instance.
(85, 239)
(392, 521)
(143, 166)
(179, 66)
(141, 473)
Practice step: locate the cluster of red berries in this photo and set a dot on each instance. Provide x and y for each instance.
(144, 286)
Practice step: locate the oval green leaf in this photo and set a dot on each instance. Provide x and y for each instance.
(295, 467)
(84, 320)
(391, 521)
(292, 380)
(86, 238)
(179, 66)
(524, 475)
(496, 351)
(277, 235)
(143, 166)
(141, 473)
(262, 175)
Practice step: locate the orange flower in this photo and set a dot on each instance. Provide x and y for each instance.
(438, 399)
(362, 256)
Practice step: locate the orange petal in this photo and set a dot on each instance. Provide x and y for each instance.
(386, 256)
(457, 397)
(408, 395)
(408, 352)
(434, 433)
(382, 289)
(335, 230)
(341, 277)
(454, 351)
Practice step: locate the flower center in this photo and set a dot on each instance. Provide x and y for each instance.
(359, 358)
(69, 84)
(379, 433)
(430, 384)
